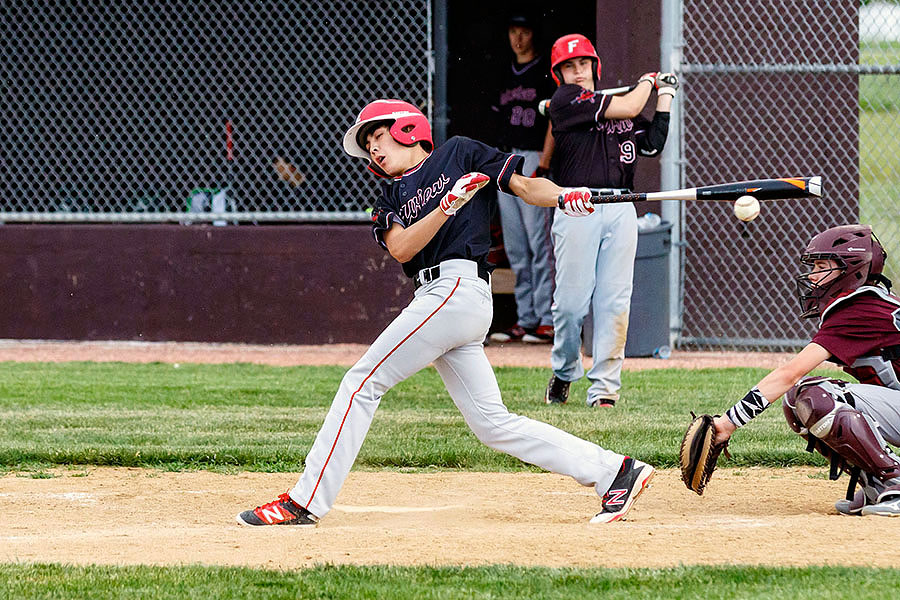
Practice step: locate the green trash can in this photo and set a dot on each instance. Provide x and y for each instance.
(648, 323)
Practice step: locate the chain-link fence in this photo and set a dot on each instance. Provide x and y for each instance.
(131, 111)
(774, 89)
(148, 110)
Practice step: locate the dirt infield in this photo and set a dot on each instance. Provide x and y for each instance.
(137, 516)
(500, 355)
(133, 516)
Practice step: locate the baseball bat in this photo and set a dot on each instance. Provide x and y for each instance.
(544, 105)
(761, 189)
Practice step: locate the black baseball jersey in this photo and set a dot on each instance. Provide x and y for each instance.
(594, 151)
(521, 88)
(417, 192)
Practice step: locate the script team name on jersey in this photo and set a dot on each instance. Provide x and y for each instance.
(517, 93)
(411, 208)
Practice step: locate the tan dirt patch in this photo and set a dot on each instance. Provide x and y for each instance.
(500, 355)
(136, 516)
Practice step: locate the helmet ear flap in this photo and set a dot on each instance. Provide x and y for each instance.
(411, 129)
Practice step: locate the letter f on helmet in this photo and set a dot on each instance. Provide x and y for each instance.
(569, 46)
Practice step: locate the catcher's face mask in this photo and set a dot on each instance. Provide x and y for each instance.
(813, 285)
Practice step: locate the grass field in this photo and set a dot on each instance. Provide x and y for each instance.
(249, 417)
(879, 151)
(398, 583)
(256, 417)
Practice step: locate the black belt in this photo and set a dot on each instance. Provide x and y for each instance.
(428, 275)
(610, 191)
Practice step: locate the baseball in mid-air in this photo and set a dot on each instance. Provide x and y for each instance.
(746, 208)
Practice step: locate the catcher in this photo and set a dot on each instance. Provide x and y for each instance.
(851, 424)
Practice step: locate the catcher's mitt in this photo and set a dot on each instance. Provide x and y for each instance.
(699, 453)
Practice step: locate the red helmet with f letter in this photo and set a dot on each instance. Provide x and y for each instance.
(407, 125)
(569, 46)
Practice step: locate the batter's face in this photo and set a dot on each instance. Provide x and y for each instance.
(393, 157)
(824, 271)
(521, 39)
(580, 71)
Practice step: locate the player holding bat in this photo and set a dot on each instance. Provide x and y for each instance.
(598, 139)
(432, 220)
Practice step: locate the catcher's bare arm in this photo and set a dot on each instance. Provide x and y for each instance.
(708, 436)
(770, 388)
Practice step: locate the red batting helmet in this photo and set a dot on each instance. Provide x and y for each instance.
(859, 257)
(408, 126)
(572, 46)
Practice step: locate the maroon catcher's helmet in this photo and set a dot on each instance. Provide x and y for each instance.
(408, 125)
(572, 46)
(859, 257)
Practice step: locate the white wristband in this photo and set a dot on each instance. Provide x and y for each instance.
(748, 407)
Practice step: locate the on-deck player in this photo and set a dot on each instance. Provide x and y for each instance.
(859, 329)
(431, 220)
(598, 139)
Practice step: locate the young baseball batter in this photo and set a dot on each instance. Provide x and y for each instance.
(598, 139)
(859, 329)
(432, 221)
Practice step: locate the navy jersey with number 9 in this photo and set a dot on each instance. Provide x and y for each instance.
(594, 151)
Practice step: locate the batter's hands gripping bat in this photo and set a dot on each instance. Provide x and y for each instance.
(544, 105)
(761, 189)
(660, 79)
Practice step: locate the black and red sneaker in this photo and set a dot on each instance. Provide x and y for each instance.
(634, 476)
(513, 334)
(282, 511)
(542, 335)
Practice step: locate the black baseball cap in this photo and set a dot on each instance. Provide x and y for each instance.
(522, 20)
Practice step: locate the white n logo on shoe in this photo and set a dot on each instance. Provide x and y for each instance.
(272, 515)
(616, 497)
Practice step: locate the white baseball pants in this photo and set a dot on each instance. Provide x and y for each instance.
(594, 268)
(445, 323)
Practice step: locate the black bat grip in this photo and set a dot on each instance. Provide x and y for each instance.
(614, 198)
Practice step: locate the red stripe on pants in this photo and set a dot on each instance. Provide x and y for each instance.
(372, 372)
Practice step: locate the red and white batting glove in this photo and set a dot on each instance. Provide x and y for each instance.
(576, 202)
(649, 77)
(462, 191)
(666, 83)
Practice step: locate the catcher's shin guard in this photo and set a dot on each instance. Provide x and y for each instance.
(812, 409)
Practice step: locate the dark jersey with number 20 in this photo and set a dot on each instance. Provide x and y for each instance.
(591, 150)
(417, 192)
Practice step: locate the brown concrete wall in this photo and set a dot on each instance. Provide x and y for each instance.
(299, 284)
(628, 36)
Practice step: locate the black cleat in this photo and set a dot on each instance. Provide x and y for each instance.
(633, 477)
(557, 391)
